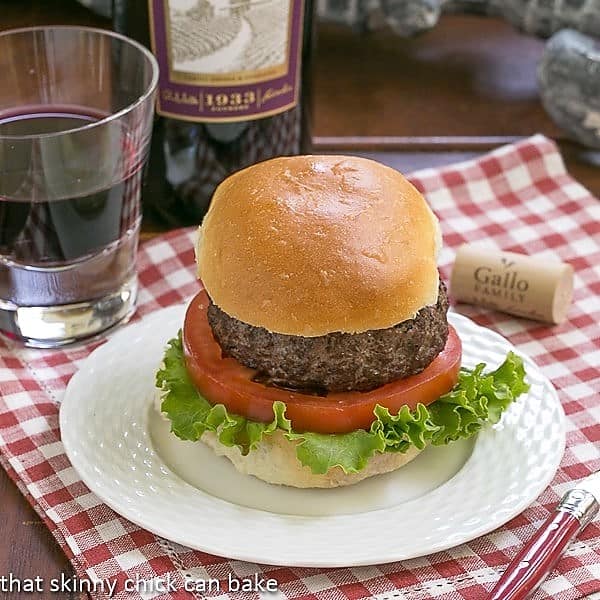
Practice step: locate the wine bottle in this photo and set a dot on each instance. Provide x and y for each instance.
(233, 90)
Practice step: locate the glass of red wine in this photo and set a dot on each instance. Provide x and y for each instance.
(76, 110)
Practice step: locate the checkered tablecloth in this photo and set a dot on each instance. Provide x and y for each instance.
(518, 197)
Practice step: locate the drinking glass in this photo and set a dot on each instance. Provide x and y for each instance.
(76, 111)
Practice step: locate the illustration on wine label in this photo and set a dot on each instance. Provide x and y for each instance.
(226, 60)
(241, 39)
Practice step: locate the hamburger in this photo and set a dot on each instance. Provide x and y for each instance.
(318, 351)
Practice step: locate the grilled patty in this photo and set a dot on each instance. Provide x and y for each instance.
(336, 361)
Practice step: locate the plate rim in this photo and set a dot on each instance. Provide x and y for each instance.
(172, 535)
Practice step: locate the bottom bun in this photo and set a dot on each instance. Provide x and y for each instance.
(275, 461)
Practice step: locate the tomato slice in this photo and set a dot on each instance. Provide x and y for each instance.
(226, 381)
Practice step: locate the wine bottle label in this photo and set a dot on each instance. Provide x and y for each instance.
(226, 60)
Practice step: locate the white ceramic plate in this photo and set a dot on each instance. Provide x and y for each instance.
(123, 451)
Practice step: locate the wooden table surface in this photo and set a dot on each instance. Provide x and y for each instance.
(453, 93)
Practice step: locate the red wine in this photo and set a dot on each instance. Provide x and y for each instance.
(67, 229)
(233, 91)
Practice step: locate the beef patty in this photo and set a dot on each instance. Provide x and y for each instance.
(336, 361)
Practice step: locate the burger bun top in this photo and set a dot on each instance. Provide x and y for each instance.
(309, 245)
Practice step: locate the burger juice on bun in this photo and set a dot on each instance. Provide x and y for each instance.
(318, 352)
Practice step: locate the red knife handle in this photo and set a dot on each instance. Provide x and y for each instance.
(529, 568)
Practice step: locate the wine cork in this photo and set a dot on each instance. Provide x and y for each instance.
(521, 285)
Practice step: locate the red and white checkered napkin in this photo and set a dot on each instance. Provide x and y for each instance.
(519, 197)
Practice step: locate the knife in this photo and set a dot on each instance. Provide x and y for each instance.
(529, 568)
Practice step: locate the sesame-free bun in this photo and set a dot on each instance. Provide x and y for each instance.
(275, 461)
(309, 245)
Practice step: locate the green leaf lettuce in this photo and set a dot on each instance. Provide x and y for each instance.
(477, 399)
